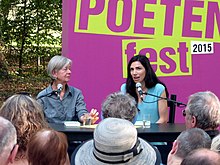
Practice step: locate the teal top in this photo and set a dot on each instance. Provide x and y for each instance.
(150, 104)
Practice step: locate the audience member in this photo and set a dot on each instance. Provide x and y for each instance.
(60, 101)
(122, 105)
(8, 142)
(27, 116)
(202, 156)
(203, 111)
(215, 146)
(115, 142)
(119, 105)
(187, 141)
(48, 147)
(140, 71)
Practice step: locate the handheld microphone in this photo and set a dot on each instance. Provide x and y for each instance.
(59, 89)
(139, 89)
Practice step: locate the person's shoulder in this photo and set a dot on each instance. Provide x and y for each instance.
(160, 86)
(123, 87)
(74, 89)
(151, 151)
(43, 92)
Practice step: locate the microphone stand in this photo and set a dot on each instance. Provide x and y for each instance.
(178, 104)
(47, 94)
(172, 103)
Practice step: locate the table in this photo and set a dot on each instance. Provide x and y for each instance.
(156, 133)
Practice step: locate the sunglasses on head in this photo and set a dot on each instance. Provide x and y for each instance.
(184, 112)
(13, 147)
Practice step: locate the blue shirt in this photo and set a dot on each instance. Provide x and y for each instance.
(71, 107)
(150, 104)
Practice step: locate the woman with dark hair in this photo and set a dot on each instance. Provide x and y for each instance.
(140, 71)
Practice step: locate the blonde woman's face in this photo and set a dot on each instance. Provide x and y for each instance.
(63, 75)
(137, 72)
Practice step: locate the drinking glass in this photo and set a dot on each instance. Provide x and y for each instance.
(146, 120)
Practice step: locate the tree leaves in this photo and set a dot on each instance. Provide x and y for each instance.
(30, 34)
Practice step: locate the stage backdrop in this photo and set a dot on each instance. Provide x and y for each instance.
(180, 37)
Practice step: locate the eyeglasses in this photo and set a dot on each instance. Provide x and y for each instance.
(184, 112)
(13, 147)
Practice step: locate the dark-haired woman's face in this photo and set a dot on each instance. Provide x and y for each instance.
(137, 72)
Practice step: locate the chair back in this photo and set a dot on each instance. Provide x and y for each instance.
(172, 105)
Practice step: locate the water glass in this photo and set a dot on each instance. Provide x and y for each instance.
(146, 120)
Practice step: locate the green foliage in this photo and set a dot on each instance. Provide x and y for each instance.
(29, 28)
(30, 34)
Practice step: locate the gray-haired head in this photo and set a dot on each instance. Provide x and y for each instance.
(57, 63)
(215, 146)
(8, 138)
(191, 139)
(205, 107)
(119, 105)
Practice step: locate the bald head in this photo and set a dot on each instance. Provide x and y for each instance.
(202, 156)
(41, 147)
(191, 139)
(8, 139)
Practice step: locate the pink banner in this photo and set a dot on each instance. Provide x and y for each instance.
(181, 39)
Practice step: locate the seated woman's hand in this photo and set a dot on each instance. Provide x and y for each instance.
(94, 115)
(90, 118)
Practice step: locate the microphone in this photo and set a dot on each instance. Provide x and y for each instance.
(59, 89)
(139, 89)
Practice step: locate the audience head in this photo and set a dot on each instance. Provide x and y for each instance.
(115, 142)
(119, 105)
(202, 156)
(8, 142)
(26, 115)
(203, 111)
(186, 142)
(215, 146)
(48, 147)
(57, 63)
